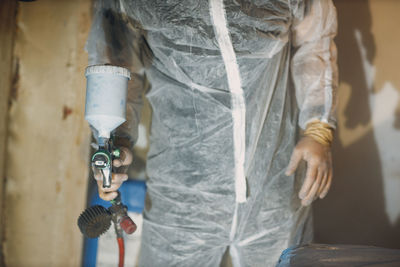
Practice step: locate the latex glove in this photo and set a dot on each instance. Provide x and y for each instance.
(319, 169)
(121, 166)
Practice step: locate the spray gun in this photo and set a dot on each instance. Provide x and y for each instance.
(105, 110)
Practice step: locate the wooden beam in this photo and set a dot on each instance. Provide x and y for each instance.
(48, 143)
(7, 31)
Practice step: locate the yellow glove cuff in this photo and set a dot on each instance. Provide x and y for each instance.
(320, 132)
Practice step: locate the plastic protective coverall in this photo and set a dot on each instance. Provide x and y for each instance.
(225, 117)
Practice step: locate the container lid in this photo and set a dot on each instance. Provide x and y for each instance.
(99, 69)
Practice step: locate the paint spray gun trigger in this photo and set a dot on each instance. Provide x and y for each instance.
(102, 161)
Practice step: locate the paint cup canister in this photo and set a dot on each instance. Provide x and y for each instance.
(106, 92)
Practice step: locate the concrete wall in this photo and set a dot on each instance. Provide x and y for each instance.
(363, 206)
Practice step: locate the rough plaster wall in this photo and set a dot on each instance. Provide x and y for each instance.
(7, 32)
(363, 206)
(48, 143)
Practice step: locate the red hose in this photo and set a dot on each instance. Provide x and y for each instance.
(121, 251)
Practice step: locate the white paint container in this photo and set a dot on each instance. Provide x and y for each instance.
(106, 91)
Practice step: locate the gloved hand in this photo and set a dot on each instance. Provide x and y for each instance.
(121, 166)
(319, 169)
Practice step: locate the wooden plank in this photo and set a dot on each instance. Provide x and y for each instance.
(7, 32)
(48, 143)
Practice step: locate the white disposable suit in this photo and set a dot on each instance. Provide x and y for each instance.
(230, 82)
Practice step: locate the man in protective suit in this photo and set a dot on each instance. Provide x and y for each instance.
(234, 85)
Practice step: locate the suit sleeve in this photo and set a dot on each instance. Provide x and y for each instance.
(313, 65)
